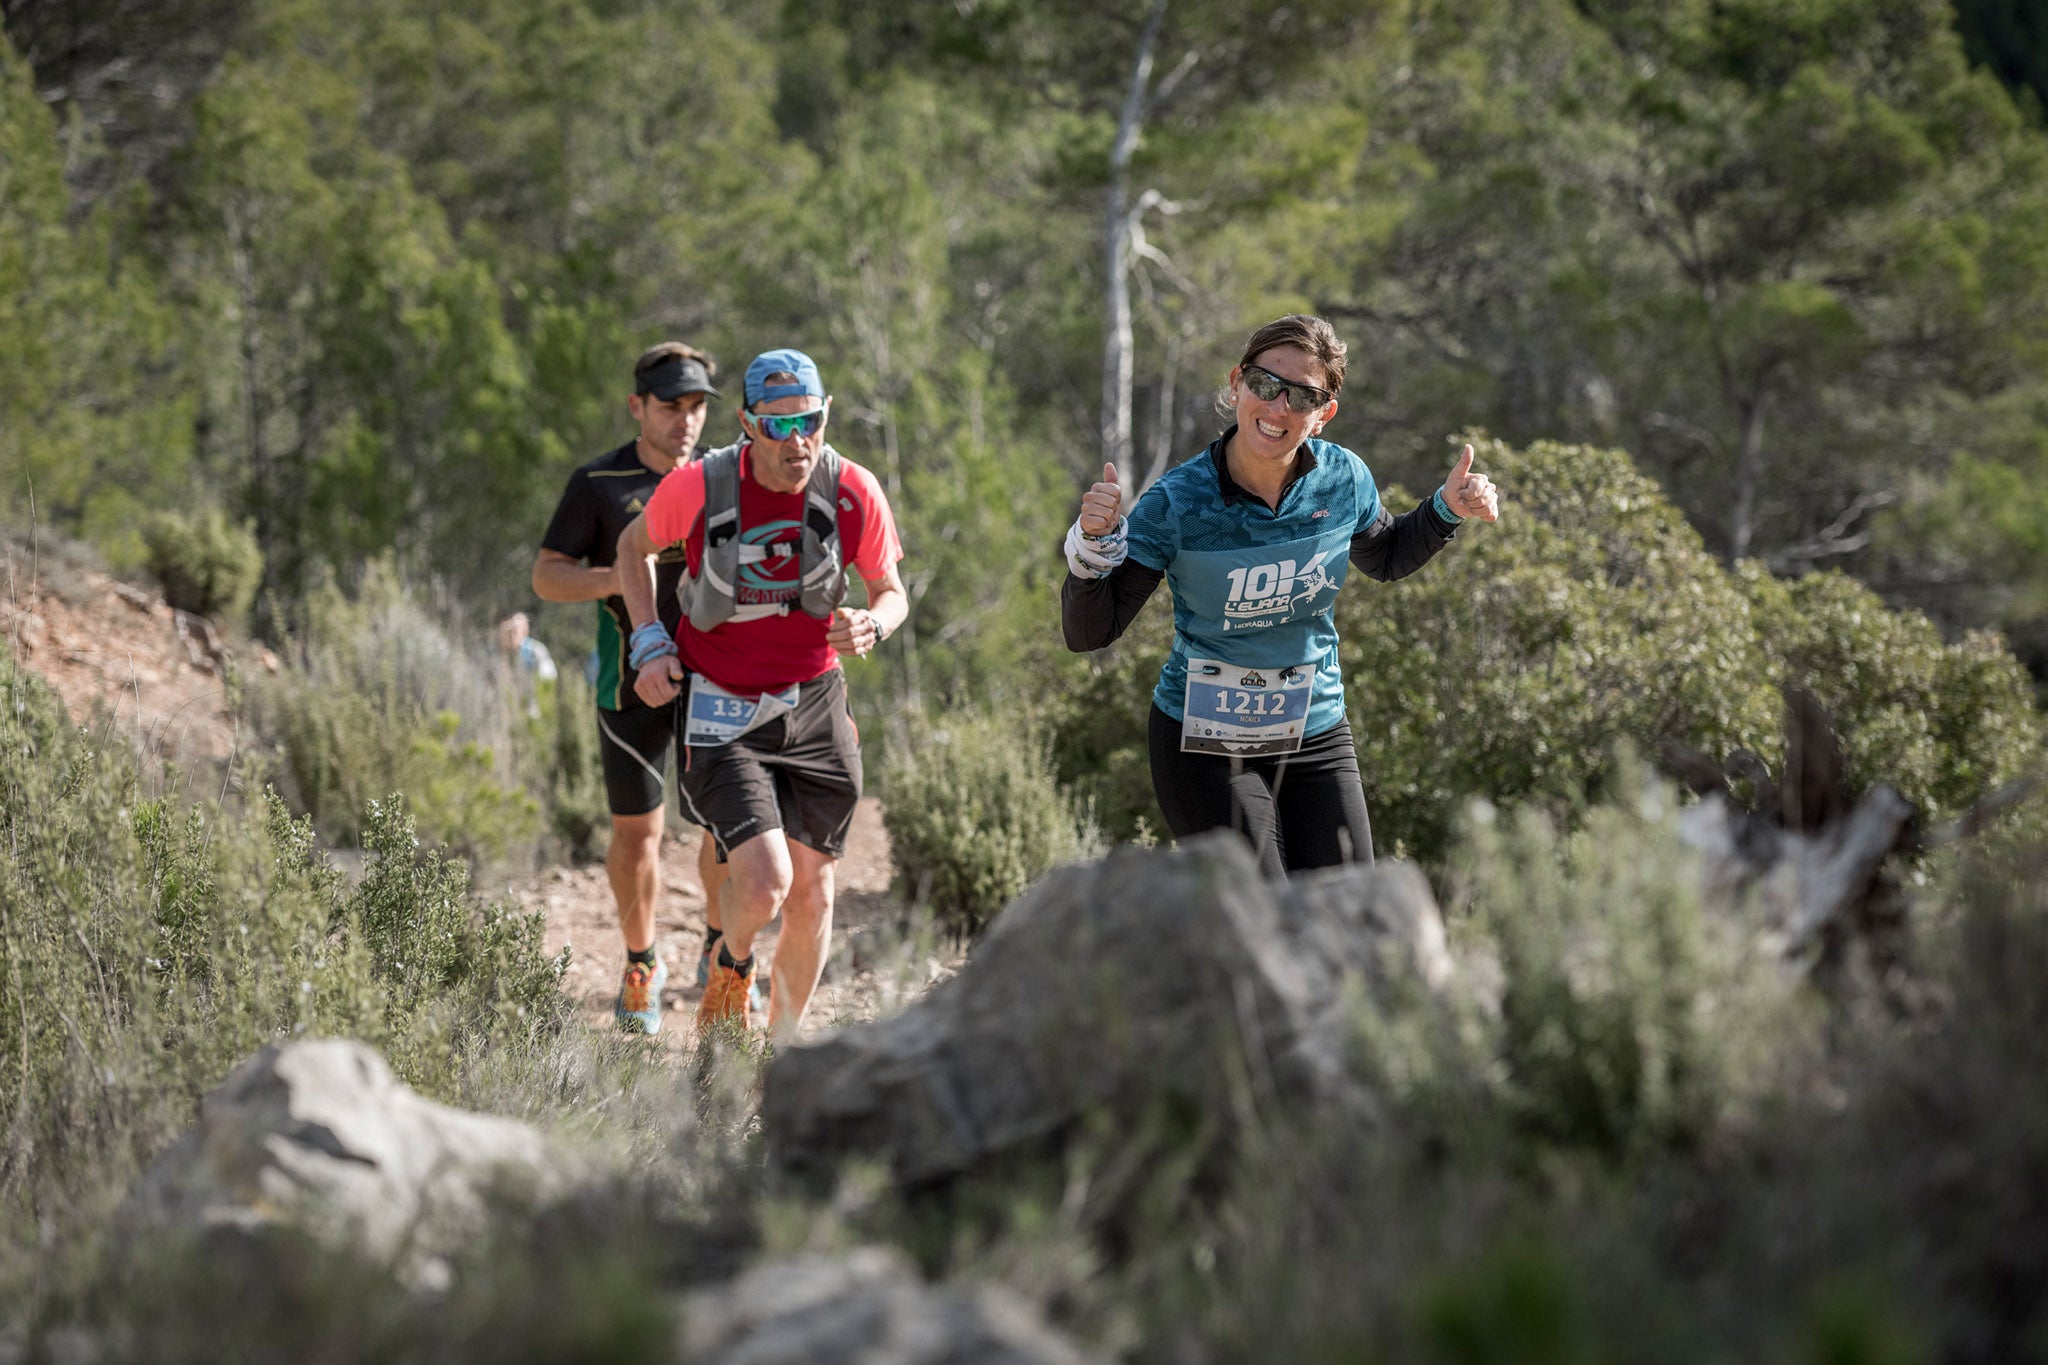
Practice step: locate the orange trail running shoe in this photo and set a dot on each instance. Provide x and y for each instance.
(727, 995)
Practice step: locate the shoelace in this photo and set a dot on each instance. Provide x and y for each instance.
(634, 988)
(731, 986)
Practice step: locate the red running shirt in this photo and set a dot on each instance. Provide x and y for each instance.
(771, 652)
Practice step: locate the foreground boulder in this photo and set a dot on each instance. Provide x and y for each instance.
(1154, 978)
(320, 1137)
(869, 1305)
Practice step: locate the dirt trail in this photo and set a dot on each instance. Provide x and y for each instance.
(867, 968)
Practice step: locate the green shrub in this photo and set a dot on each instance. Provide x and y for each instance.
(1095, 713)
(147, 946)
(559, 744)
(1513, 1302)
(1631, 1019)
(974, 815)
(381, 695)
(206, 563)
(1514, 662)
(1943, 723)
(1939, 1148)
(515, 1298)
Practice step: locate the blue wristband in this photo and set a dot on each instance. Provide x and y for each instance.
(648, 643)
(1443, 509)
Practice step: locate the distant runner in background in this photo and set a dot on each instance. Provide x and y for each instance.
(1254, 537)
(670, 401)
(771, 763)
(515, 637)
(531, 662)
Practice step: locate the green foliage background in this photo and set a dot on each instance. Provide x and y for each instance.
(1744, 300)
(370, 278)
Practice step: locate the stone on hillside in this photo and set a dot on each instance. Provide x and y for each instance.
(869, 1305)
(1150, 977)
(319, 1136)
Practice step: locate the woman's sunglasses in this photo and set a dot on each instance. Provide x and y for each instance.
(1266, 386)
(782, 427)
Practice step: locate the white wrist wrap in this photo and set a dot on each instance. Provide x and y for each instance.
(1093, 556)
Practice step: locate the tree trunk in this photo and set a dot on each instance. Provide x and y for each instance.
(249, 351)
(1165, 434)
(1748, 468)
(1118, 364)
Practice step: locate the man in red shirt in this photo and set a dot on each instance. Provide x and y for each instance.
(771, 758)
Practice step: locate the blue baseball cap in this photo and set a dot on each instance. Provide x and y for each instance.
(759, 390)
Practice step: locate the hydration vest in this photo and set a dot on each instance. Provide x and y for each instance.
(709, 599)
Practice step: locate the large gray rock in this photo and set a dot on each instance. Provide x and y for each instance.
(1180, 977)
(868, 1306)
(319, 1136)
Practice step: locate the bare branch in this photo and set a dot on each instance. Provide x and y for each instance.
(1171, 81)
(1144, 250)
(1839, 537)
(1684, 430)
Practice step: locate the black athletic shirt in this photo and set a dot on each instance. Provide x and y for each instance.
(602, 497)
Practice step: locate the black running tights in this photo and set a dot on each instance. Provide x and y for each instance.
(1300, 810)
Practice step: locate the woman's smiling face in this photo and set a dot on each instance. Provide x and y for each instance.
(1270, 428)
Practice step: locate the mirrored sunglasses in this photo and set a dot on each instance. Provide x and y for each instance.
(784, 426)
(1266, 386)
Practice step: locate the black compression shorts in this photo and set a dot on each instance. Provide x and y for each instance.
(634, 745)
(1300, 810)
(800, 772)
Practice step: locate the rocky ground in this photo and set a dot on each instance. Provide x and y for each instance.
(121, 657)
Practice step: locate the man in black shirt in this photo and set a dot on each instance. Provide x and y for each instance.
(670, 401)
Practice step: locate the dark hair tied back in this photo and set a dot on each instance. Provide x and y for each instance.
(1312, 334)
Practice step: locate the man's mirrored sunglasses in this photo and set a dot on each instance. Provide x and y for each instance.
(1266, 386)
(784, 426)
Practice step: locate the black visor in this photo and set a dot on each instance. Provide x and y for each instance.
(673, 377)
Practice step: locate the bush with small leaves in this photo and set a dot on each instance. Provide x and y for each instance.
(1944, 723)
(1514, 662)
(205, 562)
(560, 743)
(975, 814)
(382, 695)
(1632, 1018)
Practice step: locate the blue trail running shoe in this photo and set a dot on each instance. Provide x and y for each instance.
(638, 1008)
